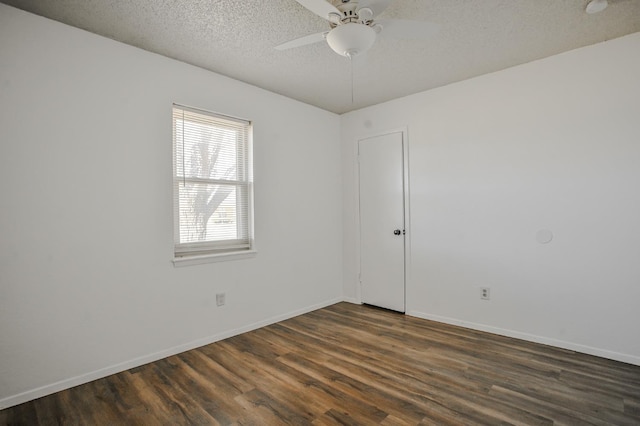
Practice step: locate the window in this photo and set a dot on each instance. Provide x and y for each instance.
(212, 188)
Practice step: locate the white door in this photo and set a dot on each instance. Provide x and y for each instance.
(382, 266)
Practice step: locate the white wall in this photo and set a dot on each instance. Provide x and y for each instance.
(553, 144)
(87, 284)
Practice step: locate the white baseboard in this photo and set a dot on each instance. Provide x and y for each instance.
(616, 356)
(352, 300)
(137, 362)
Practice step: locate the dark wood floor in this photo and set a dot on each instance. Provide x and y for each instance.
(350, 364)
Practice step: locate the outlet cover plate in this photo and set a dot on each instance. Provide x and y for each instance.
(221, 299)
(485, 293)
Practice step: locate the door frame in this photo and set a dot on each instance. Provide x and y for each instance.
(407, 216)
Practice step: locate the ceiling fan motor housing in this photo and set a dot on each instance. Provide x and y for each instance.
(348, 11)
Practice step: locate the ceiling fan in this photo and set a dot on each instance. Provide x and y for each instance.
(354, 28)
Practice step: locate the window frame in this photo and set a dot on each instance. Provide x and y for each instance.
(186, 253)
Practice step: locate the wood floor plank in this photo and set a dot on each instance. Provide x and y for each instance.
(364, 400)
(558, 413)
(297, 384)
(342, 417)
(48, 411)
(632, 407)
(354, 365)
(416, 390)
(203, 392)
(162, 410)
(286, 385)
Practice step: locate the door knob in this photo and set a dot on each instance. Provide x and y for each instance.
(397, 232)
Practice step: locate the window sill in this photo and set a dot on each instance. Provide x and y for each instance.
(210, 258)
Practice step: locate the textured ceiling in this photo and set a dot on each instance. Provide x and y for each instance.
(237, 38)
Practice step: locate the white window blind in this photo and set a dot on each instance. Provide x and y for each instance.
(212, 183)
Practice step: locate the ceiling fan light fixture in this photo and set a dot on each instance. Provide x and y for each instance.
(351, 39)
(596, 6)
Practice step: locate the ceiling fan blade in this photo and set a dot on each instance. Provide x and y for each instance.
(303, 41)
(408, 29)
(376, 6)
(322, 8)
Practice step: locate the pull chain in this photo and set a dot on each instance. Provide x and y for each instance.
(350, 56)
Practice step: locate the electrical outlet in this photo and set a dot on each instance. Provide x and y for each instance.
(221, 299)
(485, 293)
